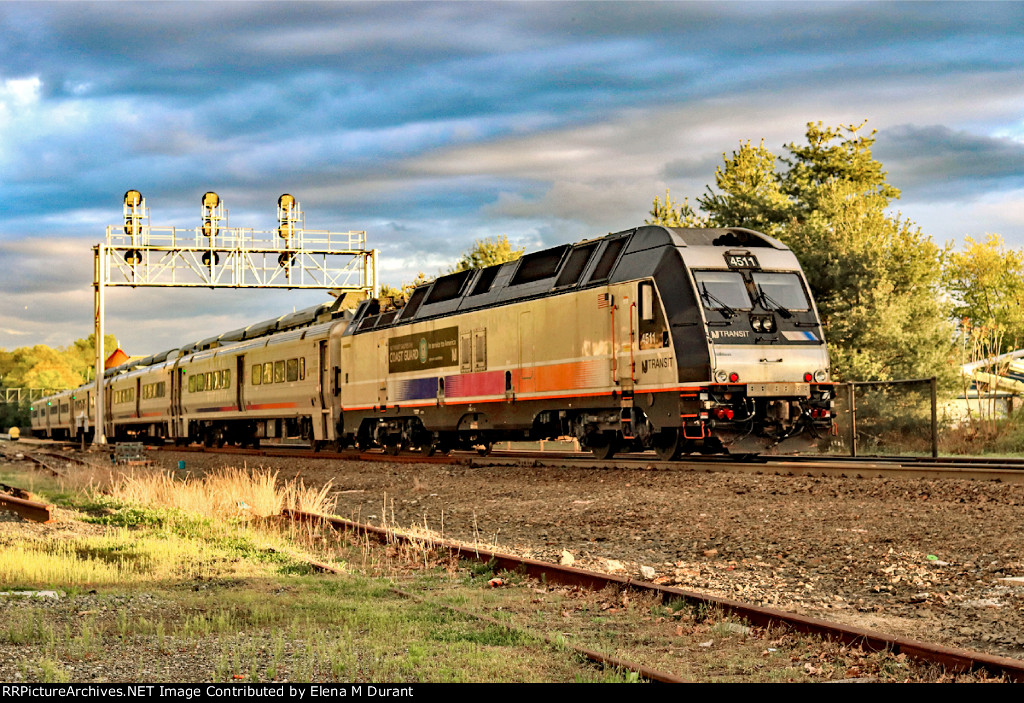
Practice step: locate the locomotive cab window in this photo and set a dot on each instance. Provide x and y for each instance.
(646, 295)
(781, 291)
(722, 290)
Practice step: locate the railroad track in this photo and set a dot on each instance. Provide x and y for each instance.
(1009, 470)
(951, 659)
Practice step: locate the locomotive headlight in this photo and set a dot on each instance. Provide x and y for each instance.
(769, 324)
(721, 376)
(820, 375)
(756, 324)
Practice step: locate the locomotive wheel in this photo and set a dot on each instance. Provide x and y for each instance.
(668, 445)
(484, 448)
(602, 446)
(392, 447)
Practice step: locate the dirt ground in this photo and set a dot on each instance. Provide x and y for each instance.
(936, 560)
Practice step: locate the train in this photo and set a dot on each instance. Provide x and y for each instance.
(676, 340)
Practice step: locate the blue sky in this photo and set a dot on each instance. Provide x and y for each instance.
(430, 125)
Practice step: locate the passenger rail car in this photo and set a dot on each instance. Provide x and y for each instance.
(677, 340)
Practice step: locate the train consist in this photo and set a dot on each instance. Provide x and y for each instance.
(671, 339)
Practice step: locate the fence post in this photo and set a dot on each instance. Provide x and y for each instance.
(935, 417)
(853, 420)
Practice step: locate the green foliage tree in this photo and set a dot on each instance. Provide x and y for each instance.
(673, 214)
(986, 282)
(875, 276)
(484, 252)
(487, 252)
(749, 192)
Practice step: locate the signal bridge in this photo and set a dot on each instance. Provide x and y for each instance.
(216, 255)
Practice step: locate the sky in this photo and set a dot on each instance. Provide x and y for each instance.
(433, 125)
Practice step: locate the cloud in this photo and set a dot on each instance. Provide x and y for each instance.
(935, 162)
(433, 124)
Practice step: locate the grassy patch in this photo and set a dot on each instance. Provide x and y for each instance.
(158, 593)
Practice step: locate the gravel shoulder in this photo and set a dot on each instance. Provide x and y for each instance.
(934, 560)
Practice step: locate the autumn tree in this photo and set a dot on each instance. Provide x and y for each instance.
(986, 282)
(40, 366)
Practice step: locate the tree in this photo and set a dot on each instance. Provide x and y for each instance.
(750, 192)
(393, 297)
(986, 281)
(484, 252)
(487, 252)
(41, 366)
(672, 214)
(875, 276)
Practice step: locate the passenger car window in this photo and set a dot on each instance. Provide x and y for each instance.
(293, 370)
(268, 372)
(257, 374)
(278, 372)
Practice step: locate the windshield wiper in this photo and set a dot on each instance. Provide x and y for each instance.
(767, 301)
(708, 297)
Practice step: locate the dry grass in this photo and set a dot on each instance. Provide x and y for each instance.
(218, 494)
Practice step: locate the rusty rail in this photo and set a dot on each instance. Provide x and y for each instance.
(1004, 470)
(28, 509)
(953, 659)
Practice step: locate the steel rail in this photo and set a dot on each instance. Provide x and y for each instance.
(28, 509)
(953, 659)
(843, 467)
(595, 656)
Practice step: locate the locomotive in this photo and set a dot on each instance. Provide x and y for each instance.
(672, 339)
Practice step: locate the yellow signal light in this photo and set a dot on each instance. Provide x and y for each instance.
(132, 198)
(210, 200)
(286, 202)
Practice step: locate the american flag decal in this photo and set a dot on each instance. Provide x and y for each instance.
(604, 300)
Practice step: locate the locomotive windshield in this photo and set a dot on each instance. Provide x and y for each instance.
(722, 290)
(781, 291)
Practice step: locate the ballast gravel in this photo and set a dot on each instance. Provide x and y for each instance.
(939, 560)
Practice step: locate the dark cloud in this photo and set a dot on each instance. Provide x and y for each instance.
(931, 162)
(431, 124)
